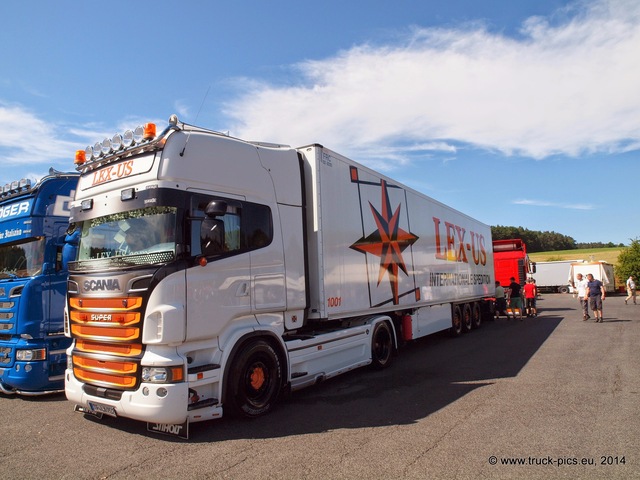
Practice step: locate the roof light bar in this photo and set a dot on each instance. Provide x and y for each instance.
(16, 186)
(114, 148)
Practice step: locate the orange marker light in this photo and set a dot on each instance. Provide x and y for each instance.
(177, 374)
(80, 157)
(149, 131)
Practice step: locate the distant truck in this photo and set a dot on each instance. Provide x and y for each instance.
(600, 270)
(33, 283)
(511, 260)
(552, 277)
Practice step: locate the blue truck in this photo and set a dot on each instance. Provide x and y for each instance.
(34, 220)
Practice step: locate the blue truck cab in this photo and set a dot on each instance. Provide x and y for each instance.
(34, 220)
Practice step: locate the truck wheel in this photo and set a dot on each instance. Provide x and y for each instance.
(254, 381)
(476, 315)
(564, 289)
(381, 346)
(466, 318)
(456, 321)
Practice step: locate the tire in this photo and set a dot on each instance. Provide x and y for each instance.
(255, 380)
(381, 346)
(456, 321)
(466, 318)
(564, 289)
(476, 315)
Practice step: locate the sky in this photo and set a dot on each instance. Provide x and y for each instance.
(517, 113)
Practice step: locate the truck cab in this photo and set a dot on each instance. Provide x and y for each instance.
(33, 279)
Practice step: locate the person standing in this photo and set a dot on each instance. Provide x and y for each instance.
(530, 293)
(631, 290)
(581, 289)
(515, 300)
(595, 294)
(501, 301)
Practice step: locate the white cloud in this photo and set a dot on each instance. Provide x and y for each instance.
(568, 88)
(29, 140)
(544, 203)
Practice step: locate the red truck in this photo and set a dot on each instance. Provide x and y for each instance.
(511, 260)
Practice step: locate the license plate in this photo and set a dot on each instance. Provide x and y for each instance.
(102, 408)
(180, 430)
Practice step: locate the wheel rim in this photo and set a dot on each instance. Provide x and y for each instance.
(257, 378)
(258, 383)
(466, 316)
(457, 320)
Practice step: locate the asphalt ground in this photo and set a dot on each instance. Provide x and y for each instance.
(546, 397)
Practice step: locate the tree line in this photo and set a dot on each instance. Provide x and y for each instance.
(538, 241)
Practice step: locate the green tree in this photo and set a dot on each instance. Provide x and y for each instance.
(629, 261)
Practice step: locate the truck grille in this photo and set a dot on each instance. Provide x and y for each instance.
(5, 355)
(108, 333)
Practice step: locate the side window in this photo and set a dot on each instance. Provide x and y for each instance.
(258, 226)
(244, 226)
(232, 229)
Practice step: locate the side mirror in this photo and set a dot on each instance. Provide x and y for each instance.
(215, 208)
(70, 247)
(212, 237)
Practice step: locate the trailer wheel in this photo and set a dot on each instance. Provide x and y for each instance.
(564, 289)
(476, 315)
(381, 346)
(255, 380)
(466, 318)
(456, 321)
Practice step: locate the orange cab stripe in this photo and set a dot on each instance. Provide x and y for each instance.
(105, 366)
(116, 333)
(124, 349)
(112, 380)
(111, 317)
(127, 303)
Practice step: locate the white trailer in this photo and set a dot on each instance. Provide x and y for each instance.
(600, 270)
(212, 273)
(553, 276)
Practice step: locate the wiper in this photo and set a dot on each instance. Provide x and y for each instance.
(11, 275)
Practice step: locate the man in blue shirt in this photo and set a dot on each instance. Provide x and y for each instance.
(595, 295)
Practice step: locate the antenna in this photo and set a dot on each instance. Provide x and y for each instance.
(195, 121)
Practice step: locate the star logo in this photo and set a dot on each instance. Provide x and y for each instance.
(387, 242)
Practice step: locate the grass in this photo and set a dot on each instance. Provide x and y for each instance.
(609, 255)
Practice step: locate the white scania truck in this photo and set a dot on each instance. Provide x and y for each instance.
(213, 273)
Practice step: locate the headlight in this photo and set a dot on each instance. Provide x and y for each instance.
(162, 374)
(31, 355)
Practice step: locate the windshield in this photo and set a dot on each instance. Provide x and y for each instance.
(136, 237)
(22, 259)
